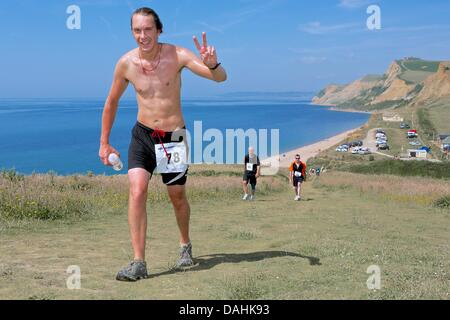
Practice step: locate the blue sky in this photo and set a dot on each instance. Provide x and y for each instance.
(265, 45)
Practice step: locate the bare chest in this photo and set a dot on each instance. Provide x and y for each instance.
(160, 82)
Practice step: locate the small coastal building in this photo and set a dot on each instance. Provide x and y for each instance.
(419, 154)
(391, 117)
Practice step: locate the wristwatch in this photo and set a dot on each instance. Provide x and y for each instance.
(215, 67)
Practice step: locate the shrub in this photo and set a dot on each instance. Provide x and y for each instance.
(12, 175)
(443, 203)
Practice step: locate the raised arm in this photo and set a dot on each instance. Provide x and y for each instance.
(118, 87)
(207, 65)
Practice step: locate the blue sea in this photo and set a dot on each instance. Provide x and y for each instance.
(62, 135)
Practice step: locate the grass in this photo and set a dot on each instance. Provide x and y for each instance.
(51, 197)
(443, 202)
(425, 124)
(426, 191)
(403, 168)
(243, 288)
(419, 65)
(440, 115)
(271, 248)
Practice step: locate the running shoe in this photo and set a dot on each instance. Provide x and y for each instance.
(185, 256)
(136, 270)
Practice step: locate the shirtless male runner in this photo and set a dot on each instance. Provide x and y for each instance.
(154, 69)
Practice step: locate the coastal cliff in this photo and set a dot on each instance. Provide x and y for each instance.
(406, 81)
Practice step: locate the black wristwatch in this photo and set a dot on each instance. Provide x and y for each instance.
(214, 68)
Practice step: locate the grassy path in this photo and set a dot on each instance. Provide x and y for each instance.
(272, 248)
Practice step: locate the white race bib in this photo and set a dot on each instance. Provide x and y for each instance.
(249, 166)
(297, 174)
(175, 162)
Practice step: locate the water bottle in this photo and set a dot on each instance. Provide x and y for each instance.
(115, 161)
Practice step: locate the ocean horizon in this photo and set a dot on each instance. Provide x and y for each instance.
(62, 135)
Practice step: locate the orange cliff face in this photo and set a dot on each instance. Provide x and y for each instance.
(335, 94)
(397, 90)
(436, 86)
(395, 85)
(394, 88)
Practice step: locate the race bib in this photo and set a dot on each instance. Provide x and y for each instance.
(297, 174)
(175, 161)
(249, 166)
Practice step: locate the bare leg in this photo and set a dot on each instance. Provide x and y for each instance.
(299, 189)
(245, 186)
(182, 210)
(295, 190)
(137, 213)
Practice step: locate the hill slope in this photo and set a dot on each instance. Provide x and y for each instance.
(409, 80)
(271, 248)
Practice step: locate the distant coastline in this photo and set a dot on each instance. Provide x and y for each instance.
(312, 150)
(309, 151)
(333, 107)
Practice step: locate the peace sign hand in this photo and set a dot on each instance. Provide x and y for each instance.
(207, 53)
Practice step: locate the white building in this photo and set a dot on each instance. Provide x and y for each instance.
(389, 117)
(420, 154)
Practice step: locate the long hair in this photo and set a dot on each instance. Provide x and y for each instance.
(148, 12)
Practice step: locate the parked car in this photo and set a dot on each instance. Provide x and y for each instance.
(364, 151)
(341, 149)
(412, 135)
(383, 146)
(357, 143)
(404, 126)
(415, 143)
(380, 131)
(356, 150)
(380, 142)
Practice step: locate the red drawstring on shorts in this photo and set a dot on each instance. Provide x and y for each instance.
(160, 134)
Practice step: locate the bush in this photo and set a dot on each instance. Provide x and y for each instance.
(11, 175)
(43, 197)
(40, 206)
(443, 203)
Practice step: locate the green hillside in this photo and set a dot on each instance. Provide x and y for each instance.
(271, 248)
(417, 70)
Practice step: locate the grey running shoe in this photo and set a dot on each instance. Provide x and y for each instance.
(134, 271)
(185, 256)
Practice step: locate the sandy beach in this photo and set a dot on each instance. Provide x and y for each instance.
(308, 151)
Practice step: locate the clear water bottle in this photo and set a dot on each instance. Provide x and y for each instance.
(115, 161)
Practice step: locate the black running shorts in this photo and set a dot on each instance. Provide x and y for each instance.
(297, 180)
(249, 178)
(141, 152)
